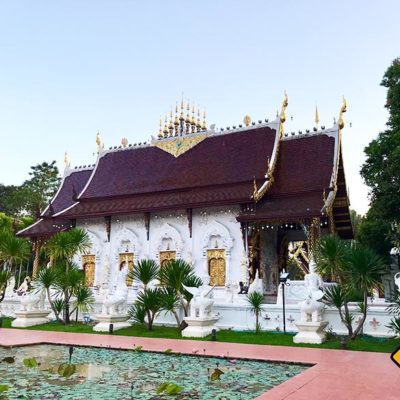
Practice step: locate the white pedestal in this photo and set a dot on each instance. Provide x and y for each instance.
(30, 318)
(119, 321)
(199, 327)
(310, 332)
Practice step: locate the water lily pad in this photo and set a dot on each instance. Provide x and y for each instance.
(30, 362)
(66, 370)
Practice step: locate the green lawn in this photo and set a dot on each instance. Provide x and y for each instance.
(365, 343)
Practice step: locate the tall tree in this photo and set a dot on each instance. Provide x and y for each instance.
(40, 188)
(381, 170)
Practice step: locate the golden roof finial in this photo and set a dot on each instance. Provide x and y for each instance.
(66, 160)
(124, 142)
(171, 121)
(282, 116)
(98, 142)
(316, 117)
(198, 124)
(182, 115)
(188, 120)
(247, 120)
(160, 131)
(285, 103)
(204, 126)
(165, 131)
(343, 109)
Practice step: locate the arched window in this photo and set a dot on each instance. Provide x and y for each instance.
(127, 258)
(166, 256)
(89, 268)
(216, 267)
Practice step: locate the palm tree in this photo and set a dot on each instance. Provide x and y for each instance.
(177, 273)
(83, 301)
(4, 278)
(148, 303)
(356, 268)
(331, 252)
(46, 280)
(364, 275)
(13, 250)
(64, 245)
(171, 303)
(255, 299)
(145, 271)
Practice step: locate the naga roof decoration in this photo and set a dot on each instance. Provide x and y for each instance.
(271, 163)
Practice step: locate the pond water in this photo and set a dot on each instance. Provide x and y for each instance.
(120, 374)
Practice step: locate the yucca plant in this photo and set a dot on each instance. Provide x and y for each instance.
(256, 299)
(148, 302)
(145, 271)
(357, 269)
(5, 276)
(170, 303)
(83, 300)
(174, 275)
(64, 245)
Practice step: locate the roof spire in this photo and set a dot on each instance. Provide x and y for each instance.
(171, 124)
(316, 117)
(198, 124)
(160, 131)
(165, 131)
(204, 126)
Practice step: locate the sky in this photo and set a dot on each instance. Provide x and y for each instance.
(71, 68)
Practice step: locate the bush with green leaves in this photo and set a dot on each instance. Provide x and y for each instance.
(169, 296)
(357, 271)
(256, 299)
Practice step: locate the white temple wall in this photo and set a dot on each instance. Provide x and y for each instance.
(218, 228)
(169, 231)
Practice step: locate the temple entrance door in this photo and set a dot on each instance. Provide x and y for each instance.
(216, 267)
(166, 256)
(89, 267)
(127, 258)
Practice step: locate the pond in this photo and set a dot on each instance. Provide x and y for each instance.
(41, 372)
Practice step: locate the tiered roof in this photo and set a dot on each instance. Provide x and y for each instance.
(205, 169)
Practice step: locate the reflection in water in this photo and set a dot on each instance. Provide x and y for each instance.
(108, 374)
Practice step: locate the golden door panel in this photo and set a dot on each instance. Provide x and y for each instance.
(123, 258)
(216, 267)
(89, 268)
(166, 256)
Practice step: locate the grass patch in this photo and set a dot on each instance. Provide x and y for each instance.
(364, 343)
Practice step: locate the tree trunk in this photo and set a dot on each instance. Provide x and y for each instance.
(178, 321)
(364, 317)
(51, 305)
(35, 272)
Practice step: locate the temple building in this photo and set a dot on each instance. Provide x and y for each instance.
(235, 202)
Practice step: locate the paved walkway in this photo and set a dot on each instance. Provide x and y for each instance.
(336, 375)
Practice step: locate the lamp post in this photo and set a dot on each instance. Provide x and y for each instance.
(283, 281)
